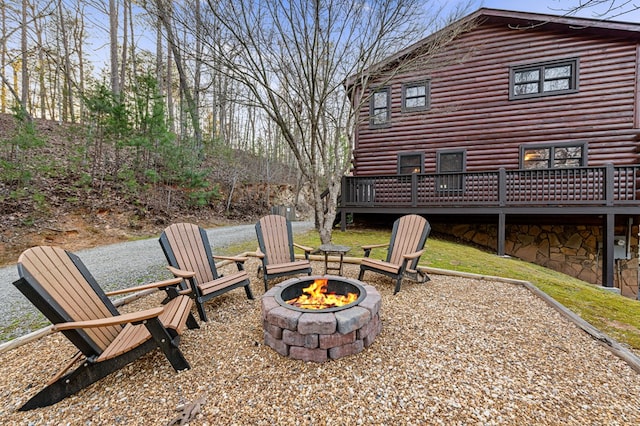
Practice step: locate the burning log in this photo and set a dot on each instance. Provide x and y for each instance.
(316, 297)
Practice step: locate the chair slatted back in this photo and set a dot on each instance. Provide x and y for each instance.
(58, 283)
(275, 238)
(186, 247)
(409, 235)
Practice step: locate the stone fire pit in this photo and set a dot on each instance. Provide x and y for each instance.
(318, 335)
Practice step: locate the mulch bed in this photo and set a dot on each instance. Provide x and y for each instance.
(452, 351)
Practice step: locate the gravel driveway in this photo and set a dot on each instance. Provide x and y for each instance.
(119, 265)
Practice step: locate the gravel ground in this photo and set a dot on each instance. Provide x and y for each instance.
(118, 266)
(453, 351)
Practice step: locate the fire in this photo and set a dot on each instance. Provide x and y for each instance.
(316, 297)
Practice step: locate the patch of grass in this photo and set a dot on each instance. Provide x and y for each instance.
(20, 326)
(615, 315)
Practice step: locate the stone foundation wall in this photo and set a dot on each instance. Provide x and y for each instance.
(571, 249)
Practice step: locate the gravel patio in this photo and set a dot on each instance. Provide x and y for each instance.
(451, 351)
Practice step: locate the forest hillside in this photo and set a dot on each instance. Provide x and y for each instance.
(60, 185)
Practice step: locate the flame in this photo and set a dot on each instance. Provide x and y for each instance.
(316, 297)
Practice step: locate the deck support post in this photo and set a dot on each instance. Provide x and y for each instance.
(607, 250)
(502, 224)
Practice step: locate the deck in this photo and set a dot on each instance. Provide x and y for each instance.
(588, 190)
(604, 193)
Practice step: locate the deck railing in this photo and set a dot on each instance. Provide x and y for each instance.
(603, 186)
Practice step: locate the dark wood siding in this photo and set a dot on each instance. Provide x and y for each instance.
(471, 110)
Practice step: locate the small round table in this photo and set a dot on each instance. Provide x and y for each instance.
(331, 248)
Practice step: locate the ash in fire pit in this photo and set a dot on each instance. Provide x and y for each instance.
(330, 332)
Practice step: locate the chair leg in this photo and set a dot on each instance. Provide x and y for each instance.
(201, 311)
(398, 283)
(164, 341)
(87, 373)
(247, 290)
(266, 284)
(361, 274)
(192, 323)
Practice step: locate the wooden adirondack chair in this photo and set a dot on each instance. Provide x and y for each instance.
(408, 238)
(188, 252)
(275, 241)
(61, 287)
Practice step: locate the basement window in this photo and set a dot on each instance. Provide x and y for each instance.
(543, 79)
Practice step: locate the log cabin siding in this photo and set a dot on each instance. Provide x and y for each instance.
(470, 107)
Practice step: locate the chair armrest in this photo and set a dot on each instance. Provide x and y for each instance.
(413, 255)
(181, 273)
(372, 246)
(158, 284)
(132, 317)
(367, 248)
(259, 254)
(305, 248)
(232, 258)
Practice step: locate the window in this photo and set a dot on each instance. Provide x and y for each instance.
(553, 156)
(415, 96)
(544, 79)
(410, 163)
(379, 111)
(450, 164)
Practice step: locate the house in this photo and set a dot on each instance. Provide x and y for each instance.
(519, 133)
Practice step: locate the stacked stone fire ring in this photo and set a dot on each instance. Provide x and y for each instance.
(319, 335)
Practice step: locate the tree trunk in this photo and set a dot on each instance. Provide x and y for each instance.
(125, 41)
(113, 47)
(3, 56)
(68, 110)
(25, 59)
(37, 26)
(79, 43)
(169, 82)
(159, 55)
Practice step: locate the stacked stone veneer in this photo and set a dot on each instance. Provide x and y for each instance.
(572, 249)
(319, 336)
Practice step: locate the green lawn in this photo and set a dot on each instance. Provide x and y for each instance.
(617, 316)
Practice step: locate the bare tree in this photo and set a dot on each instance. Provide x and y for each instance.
(20, 59)
(163, 10)
(294, 57)
(602, 9)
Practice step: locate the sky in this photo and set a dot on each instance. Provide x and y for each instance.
(558, 7)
